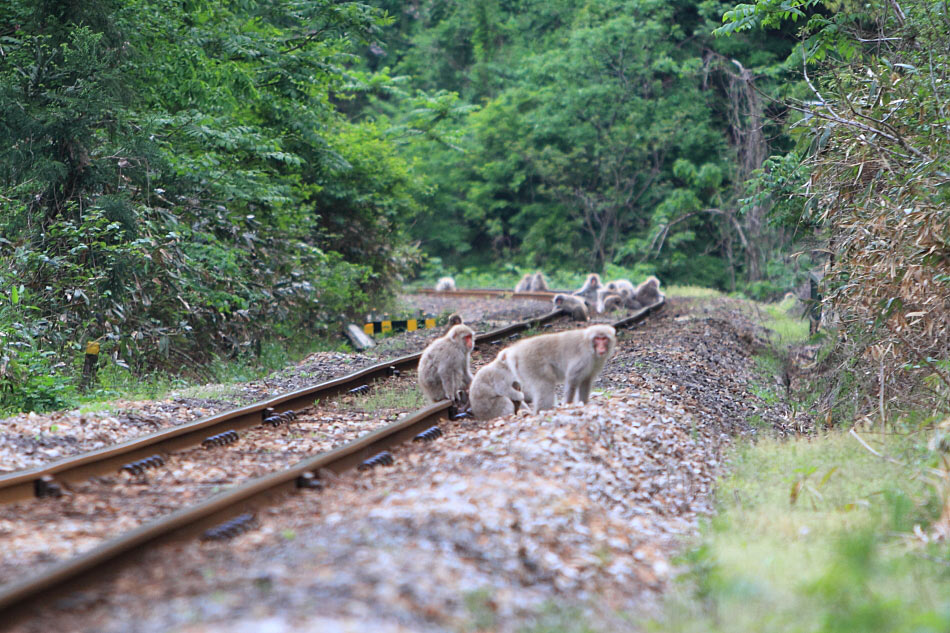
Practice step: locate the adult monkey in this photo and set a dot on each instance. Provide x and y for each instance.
(574, 358)
(445, 365)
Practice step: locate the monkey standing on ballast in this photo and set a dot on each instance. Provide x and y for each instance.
(574, 306)
(575, 357)
(445, 365)
(495, 390)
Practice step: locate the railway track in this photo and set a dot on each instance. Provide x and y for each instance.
(231, 511)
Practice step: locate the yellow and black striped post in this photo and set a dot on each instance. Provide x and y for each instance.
(398, 325)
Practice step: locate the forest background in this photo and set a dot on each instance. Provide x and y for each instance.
(188, 180)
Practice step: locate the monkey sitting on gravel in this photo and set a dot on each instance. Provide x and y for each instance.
(445, 284)
(608, 300)
(575, 357)
(525, 285)
(495, 391)
(648, 292)
(445, 365)
(574, 306)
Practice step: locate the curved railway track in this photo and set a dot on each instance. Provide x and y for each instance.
(231, 511)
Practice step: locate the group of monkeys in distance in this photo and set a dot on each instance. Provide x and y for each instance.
(524, 374)
(595, 297)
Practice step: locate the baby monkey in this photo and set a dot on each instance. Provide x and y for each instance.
(495, 391)
(575, 357)
(445, 365)
(574, 306)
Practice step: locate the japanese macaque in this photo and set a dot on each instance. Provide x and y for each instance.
(495, 390)
(445, 284)
(621, 285)
(445, 365)
(589, 290)
(454, 319)
(648, 292)
(525, 284)
(574, 306)
(538, 283)
(608, 300)
(575, 357)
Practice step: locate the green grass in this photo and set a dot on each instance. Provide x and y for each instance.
(691, 292)
(387, 396)
(816, 534)
(784, 320)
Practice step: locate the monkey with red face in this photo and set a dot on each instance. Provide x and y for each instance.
(574, 358)
(445, 365)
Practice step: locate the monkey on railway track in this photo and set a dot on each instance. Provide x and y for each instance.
(445, 365)
(574, 357)
(445, 284)
(495, 391)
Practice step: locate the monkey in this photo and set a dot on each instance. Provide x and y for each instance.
(589, 290)
(445, 365)
(648, 292)
(608, 300)
(574, 306)
(538, 284)
(619, 285)
(454, 319)
(575, 357)
(495, 390)
(525, 284)
(445, 284)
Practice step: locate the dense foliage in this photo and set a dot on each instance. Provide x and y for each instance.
(614, 133)
(870, 177)
(176, 181)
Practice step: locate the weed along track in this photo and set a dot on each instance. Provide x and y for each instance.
(209, 479)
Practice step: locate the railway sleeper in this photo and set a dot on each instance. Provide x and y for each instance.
(140, 466)
(229, 529)
(385, 458)
(221, 439)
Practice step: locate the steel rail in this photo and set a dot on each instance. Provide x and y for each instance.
(36, 482)
(489, 292)
(16, 599)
